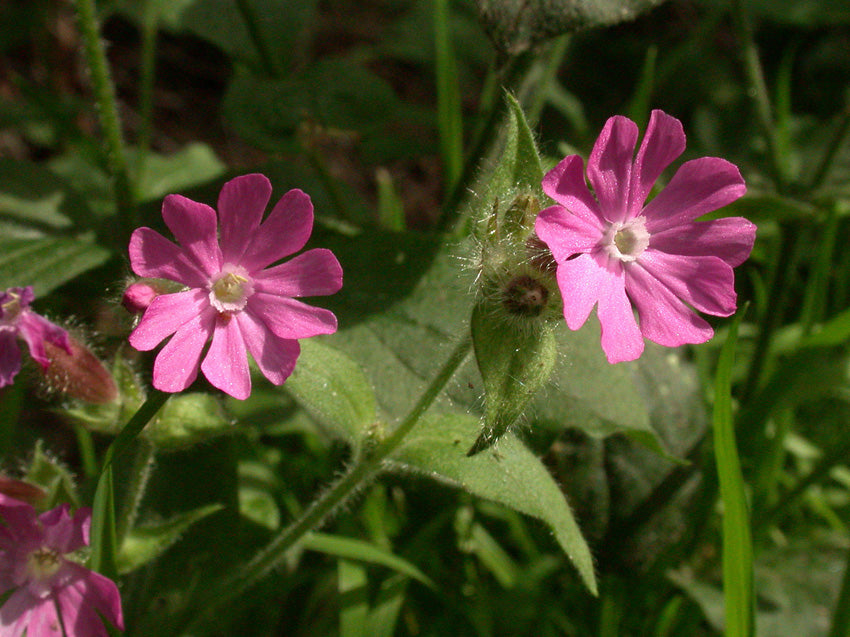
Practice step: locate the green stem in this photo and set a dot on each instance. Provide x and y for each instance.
(104, 93)
(358, 474)
(139, 477)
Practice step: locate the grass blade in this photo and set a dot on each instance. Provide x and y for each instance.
(737, 539)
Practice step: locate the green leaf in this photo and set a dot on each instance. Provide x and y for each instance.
(334, 391)
(46, 262)
(353, 549)
(34, 196)
(737, 540)
(519, 167)
(336, 93)
(387, 607)
(514, 360)
(187, 419)
(509, 474)
(104, 537)
(517, 25)
(191, 166)
(145, 543)
(354, 602)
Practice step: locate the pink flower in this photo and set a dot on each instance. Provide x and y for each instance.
(232, 296)
(46, 587)
(17, 319)
(615, 252)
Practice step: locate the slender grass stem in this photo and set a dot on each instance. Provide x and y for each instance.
(150, 29)
(104, 93)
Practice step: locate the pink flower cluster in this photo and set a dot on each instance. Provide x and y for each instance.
(18, 320)
(233, 299)
(619, 253)
(50, 595)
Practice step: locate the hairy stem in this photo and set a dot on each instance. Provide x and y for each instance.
(104, 94)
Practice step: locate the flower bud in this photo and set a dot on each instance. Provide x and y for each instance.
(79, 374)
(138, 296)
(23, 491)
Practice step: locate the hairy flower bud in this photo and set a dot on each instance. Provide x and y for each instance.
(79, 374)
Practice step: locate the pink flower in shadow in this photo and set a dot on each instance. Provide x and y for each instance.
(233, 297)
(49, 591)
(18, 320)
(619, 253)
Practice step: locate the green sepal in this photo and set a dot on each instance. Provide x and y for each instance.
(145, 543)
(515, 358)
(54, 478)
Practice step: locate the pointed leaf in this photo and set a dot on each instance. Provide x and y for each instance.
(146, 543)
(509, 474)
(353, 549)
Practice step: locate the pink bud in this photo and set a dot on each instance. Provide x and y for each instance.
(22, 491)
(138, 296)
(79, 374)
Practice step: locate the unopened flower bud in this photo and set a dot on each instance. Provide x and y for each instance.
(23, 491)
(525, 296)
(79, 374)
(138, 296)
(540, 256)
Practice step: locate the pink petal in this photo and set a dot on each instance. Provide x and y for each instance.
(94, 592)
(730, 239)
(699, 186)
(566, 234)
(609, 168)
(154, 256)
(565, 184)
(706, 283)
(663, 142)
(313, 273)
(241, 205)
(176, 365)
(284, 232)
(25, 611)
(274, 356)
(579, 280)
(664, 319)
(166, 314)
(226, 362)
(10, 356)
(291, 319)
(194, 225)
(621, 337)
(35, 330)
(63, 533)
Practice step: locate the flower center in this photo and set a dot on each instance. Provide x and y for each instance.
(10, 310)
(42, 564)
(626, 241)
(229, 291)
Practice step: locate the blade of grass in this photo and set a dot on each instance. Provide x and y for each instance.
(737, 539)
